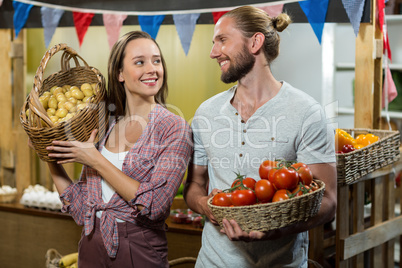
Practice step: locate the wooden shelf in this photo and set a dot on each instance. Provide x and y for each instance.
(347, 66)
(351, 111)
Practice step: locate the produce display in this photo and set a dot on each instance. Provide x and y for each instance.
(345, 143)
(279, 180)
(39, 197)
(7, 194)
(186, 216)
(69, 260)
(63, 102)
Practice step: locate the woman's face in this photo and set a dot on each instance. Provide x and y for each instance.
(142, 71)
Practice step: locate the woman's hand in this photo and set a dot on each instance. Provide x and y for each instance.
(74, 151)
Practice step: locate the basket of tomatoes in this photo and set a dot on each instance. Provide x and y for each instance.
(285, 194)
(361, 151)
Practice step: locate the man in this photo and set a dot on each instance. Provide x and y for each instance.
(260, 118)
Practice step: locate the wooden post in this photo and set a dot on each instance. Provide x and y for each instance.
(23, 158)
(6, 155)
(368, 74)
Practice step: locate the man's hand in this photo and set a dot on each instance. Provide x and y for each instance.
(235, 233)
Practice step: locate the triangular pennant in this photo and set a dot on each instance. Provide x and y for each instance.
(389, 89)
(82, 22)
(50, 20)
(315, 11)
(383, 26)
(151, 24)
(185, 26)
(113, 24)
(354, 9)
(21, 13)
(274, 10)
(218, 15)
(1, 2)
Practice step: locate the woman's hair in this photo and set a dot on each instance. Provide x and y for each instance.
(116, 95)
(251, 20)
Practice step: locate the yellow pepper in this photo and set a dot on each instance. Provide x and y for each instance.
(366, 139)
(343, 138)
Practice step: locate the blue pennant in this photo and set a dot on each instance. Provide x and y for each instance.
(21, 13)
(315, 11)
(151, 24)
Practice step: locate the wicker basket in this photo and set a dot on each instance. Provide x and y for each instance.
(351, 167)
(270, 216)
(7, 198)
(38, 125)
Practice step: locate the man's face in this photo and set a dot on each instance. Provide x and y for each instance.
(231, 51)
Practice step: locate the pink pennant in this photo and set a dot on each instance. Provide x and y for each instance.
(82, 22)
(389, 88)
(274, 10)
(113, 24)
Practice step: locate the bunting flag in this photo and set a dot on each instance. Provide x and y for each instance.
(389, 91)
(274, 10)
(354, 9)
(50, 20)
(383, 26)
(21, 13)
(218, 15)
(185, 26)
(113, 24)
(82, 22)
(151, 24)
(1, 2)
(315, 11)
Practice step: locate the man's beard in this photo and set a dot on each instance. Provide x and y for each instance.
(242, 65)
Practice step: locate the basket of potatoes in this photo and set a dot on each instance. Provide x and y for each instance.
(67, 105)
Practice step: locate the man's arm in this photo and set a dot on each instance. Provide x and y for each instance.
(196, 190)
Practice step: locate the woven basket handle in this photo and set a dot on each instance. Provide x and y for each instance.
(68, 54)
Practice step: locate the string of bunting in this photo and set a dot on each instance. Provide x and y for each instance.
(185, 21)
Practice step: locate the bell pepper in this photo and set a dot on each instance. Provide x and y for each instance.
(366, 139)
(343, 138)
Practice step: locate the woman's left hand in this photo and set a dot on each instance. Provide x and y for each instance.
(74, 151)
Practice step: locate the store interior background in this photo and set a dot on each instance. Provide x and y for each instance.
(195, 77)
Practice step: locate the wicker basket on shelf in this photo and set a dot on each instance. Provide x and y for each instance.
(37, 124)
(270, 216)
(353, 166)
(8, 198)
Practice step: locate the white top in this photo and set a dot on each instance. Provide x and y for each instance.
(117, 160)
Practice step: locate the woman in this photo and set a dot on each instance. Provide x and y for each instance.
(130, 178)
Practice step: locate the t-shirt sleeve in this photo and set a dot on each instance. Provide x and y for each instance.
(199, 155)
(317, 140)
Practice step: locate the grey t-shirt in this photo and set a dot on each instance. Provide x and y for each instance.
(290, 126)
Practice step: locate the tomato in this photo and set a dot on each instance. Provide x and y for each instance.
(301, 189)
(298, 165)
(248, 182)
(265, 167)
(243, 198)
(305, 175)
(314, 186)
(280, 195)
(222, 199)
(264, 190)
(285, 178)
